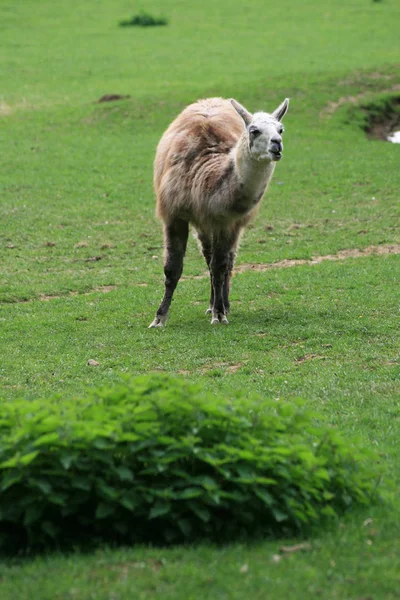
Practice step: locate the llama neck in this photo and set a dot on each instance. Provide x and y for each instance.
(253, 175)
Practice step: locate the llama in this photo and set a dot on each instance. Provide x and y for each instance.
(212, 167)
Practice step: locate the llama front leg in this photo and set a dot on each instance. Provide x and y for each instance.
(175, 240)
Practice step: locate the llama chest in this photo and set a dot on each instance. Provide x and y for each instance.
(242, 205)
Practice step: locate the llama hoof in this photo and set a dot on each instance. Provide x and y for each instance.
(219, 319)
(158, 322)
(208, 311)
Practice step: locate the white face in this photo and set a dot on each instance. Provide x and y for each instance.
(265, 137)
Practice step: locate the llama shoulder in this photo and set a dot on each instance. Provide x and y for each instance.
(207, 126)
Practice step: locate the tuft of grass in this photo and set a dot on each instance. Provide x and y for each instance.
(143, 19)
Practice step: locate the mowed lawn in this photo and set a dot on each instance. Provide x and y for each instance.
(81, 258)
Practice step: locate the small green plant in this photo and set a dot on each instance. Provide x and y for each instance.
(156, 459)
(143, 19)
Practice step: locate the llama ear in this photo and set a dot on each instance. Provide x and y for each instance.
(246, 116)
(282, 109)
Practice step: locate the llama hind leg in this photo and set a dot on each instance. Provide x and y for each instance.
(227, 281)
(175, 240)
(231, 244)
(219, 268)
(205, 243)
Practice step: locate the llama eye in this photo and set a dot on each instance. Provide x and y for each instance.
(281, 130)
(254, 131)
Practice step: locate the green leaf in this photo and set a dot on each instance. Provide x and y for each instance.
(266, 481)
(26, 459)
(159, 509)
(59, 499)
(66, 460)
(185, 526)
(106, 490)
(47, 439)
(322, 474)
(104, 510)
(328, 495)
(190, 492)
(124, 473)
(128, 503)
(9, 480)
(328, 511)
(101, 443)
(11, 462)
(33, 513)
(206, 481)
(49, 528)
(245, 473)
(265, 496)
(200, 511)
(43, 484)
(279, 515)
(81, 483)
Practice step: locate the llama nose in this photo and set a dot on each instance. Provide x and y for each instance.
(276, 143)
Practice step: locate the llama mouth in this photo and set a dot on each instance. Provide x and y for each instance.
(276, 155)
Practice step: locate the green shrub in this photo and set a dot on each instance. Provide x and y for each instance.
(157, 459)
(143, 20)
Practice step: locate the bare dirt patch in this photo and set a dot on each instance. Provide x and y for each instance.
(5, 109)
(315, 260)
(281, 264)
(306, 357)
(228, 367)
(112, 98)
(104, 289)
(383, 119)
(359, 78)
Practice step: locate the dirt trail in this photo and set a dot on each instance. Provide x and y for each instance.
(316, 260)
(245, 267)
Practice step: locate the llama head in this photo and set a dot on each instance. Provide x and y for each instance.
(264, 131)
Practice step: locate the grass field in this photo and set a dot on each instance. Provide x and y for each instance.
(81, 257)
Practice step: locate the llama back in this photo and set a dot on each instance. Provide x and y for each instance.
(193, 158)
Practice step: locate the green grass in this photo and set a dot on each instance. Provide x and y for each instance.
(76, 184)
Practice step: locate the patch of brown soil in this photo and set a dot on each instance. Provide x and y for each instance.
(315, 260)
(112, 98)
(281, 264)
(5, 109)
(104, 289)
(361, 77)
(384, 122)
(45, 298)
(229, 368)
(94, 258)
(233, 368)
(309, 357)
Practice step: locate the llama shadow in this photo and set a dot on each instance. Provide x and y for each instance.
(299, 321)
